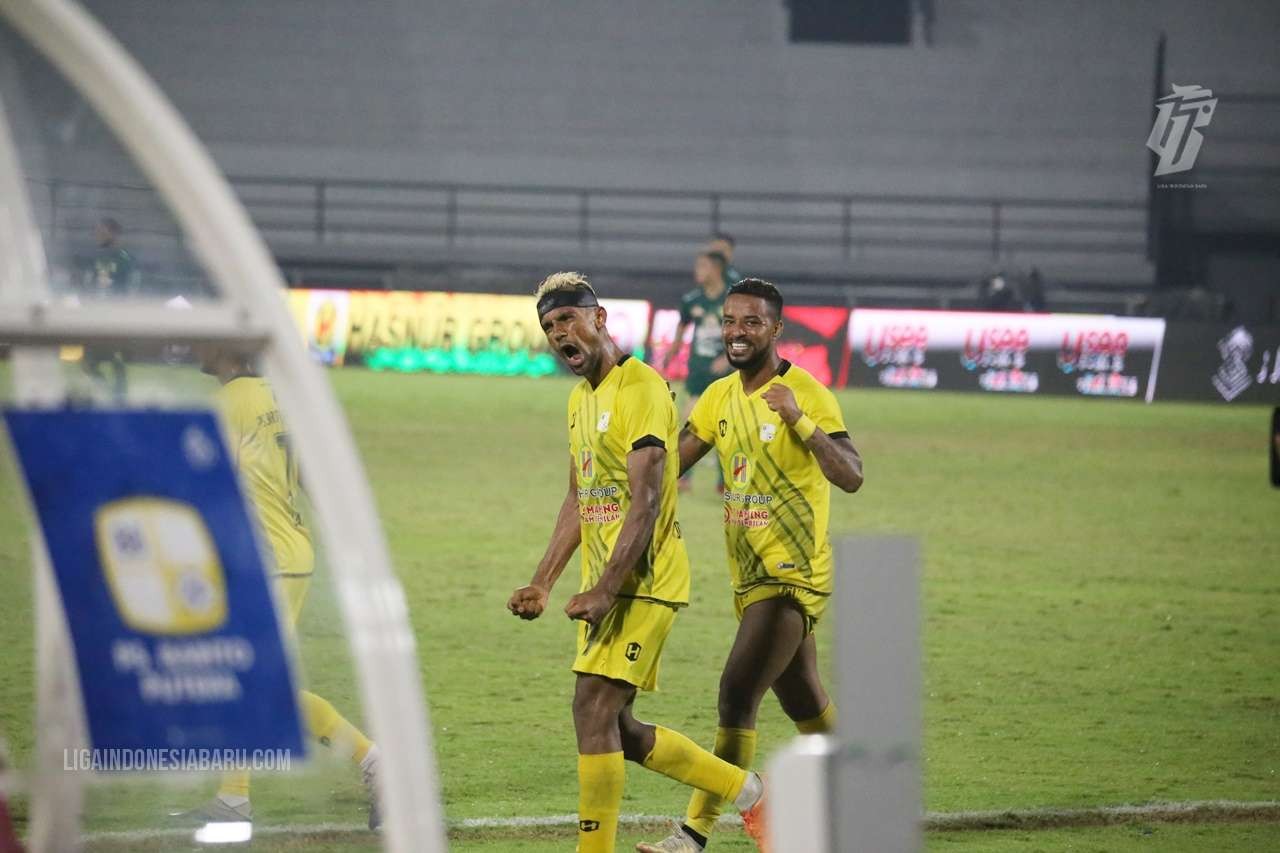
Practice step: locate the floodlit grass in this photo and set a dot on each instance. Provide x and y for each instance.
(1101, 597)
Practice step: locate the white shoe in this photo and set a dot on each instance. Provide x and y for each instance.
(216, 811)
(676, 842)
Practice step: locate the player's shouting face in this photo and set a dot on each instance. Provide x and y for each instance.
(749, 331)
(577, 335)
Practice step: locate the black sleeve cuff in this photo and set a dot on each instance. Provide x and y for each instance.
(840, 434)
(648, 441)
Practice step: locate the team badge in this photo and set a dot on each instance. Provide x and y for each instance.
(603, 423)
(633, 652)
(740, 469)
(586, 465)
(724, 427)
(768, 431)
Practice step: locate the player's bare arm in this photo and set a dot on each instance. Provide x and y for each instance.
(839, 460)
(528, 602)
(692, 449)
(644, 475)
(676, 343)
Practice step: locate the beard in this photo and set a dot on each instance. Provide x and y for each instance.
(749, 362)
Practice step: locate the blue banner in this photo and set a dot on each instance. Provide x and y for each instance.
(176, 637)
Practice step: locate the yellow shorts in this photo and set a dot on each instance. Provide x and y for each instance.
(292, 591)
(812, 604)
(627, 644)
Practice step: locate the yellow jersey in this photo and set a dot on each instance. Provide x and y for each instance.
(259, 445)
(776, 500)
(631, 409)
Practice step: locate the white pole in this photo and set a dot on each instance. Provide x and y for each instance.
(57, 797)
(371, 600)
(876, 777)
(859, 790)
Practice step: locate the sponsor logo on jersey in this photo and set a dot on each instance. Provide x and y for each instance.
(597, 492)
(746, 516)
(588, 825)
(724, 427)
(740, 469)
(733, 497)
(633, 652)
(600, 513)
(586, 465)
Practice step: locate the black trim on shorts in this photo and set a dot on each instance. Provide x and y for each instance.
(648, 441)
(674, 605)
(780, 582)
(840, 434)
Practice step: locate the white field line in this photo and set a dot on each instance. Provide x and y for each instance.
(1198, 811)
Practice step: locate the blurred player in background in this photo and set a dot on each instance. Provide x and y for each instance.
(259, 443)
(725, 244)
(701, 309)
(782, 443)
(621, 509)
(111, 274)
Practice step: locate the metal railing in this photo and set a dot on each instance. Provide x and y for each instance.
(447, 216)
(842, 224)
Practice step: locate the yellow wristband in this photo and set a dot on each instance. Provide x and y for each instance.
(805, 427)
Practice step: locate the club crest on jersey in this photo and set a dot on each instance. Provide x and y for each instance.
(768, 431)
(724, 427)
(603, 423)
(586, 466)
(740, 469)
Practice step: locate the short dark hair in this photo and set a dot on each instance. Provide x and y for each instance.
(762, 289)
(725, 236)
(718, 259)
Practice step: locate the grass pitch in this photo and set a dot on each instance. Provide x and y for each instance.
(1101, 604)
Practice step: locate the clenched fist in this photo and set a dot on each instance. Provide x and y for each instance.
(528, 602)
(782, 401)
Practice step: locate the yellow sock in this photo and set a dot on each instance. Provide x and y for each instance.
(736, 746)
(600, 780)
(331, 728)
(234, 784)
(823, 724)
(676, 756)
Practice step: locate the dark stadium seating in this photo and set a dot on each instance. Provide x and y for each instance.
(863, 164)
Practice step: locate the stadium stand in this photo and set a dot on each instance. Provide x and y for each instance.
(472, 139)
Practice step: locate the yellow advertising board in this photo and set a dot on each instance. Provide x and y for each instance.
(442, 332)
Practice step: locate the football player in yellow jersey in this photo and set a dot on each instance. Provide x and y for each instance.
(782, 443)
(259, 444)
(620, 509)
